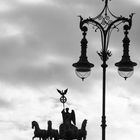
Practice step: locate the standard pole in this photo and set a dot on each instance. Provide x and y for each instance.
(103, 125)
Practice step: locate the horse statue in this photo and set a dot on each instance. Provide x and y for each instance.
(52, 133)
(39, 133)
(73, 132)
(68, 132)
(82, 133)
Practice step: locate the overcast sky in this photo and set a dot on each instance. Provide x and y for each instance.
(39, 42)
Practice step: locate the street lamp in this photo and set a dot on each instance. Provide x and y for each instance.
(105, 22)
(125, 66)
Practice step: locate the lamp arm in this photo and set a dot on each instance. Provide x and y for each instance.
(89, 21)
(123, 19)
(99, 25)
(105, 30)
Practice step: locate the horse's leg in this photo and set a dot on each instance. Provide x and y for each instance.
(84, 138)
(51, 137)
(55, 138)
(33, 137)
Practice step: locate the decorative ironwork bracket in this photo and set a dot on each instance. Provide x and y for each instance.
(105, 24)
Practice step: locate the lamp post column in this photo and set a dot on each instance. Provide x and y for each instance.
(103, 125)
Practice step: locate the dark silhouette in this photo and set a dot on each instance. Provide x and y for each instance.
(53, 133)
(39, 133)
(62, 92)
(82, 132)
(67, 129)
(63, 99)
(68, 117)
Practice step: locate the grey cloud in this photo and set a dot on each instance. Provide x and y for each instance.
(46, 31)
(134, 108)
(5, 104)
(21, 126)
(133, 86)
(51, 32)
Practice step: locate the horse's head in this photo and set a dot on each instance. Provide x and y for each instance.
(34, 124)
(84, 123)
(49, 125)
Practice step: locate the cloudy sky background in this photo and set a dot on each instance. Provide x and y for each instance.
(39, 41)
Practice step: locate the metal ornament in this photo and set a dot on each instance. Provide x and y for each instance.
(63, 98)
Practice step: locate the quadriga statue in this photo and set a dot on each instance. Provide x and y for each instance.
(68, 129)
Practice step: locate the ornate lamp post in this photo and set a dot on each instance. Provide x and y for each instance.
(105, 22)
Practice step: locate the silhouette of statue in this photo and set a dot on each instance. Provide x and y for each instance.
(52, 133)
(39, 133)
(68, 117)
(82, 133)
(67, 129)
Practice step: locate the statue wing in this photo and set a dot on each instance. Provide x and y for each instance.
(62, 92)
(59, 91)
(65, 91)
(73, 117)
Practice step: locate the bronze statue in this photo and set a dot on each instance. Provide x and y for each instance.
(68, 117)
(67, 129)
(82, 133)
(53, 133)
(39, 133)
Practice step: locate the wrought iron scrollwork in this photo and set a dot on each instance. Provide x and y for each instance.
(105, 22)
